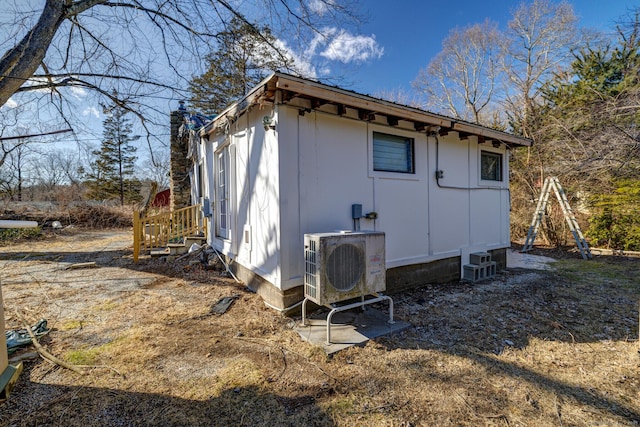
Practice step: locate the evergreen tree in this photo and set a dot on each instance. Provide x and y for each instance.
(113, 169)
(591, 112)
(587, 135)
(244, 57)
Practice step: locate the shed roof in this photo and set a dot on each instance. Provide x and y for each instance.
(293, 88)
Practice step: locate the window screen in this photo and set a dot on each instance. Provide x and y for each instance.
(490, 166)
(392, 153)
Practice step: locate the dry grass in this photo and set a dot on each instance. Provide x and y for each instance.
(529, 349)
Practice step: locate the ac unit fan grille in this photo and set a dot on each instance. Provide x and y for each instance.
(345, 267)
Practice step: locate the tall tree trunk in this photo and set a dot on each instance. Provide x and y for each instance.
(20, 62)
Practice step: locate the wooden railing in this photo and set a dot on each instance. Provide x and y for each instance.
(157, 231)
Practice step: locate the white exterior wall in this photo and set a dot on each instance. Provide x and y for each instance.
(254, 236)
(467, 214)
(304, 176)
(329, 165)
(263, 190)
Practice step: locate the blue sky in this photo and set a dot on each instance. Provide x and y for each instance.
(411, 32)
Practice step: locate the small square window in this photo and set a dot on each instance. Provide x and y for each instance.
(490, 166)
(392, 153)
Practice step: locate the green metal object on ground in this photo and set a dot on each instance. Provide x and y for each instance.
(20, 338)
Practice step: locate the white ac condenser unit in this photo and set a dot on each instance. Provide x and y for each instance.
(344, 265)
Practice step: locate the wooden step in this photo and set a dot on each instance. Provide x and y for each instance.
(177, 248)
(158, 252)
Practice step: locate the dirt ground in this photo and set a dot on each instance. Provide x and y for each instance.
(530, 348)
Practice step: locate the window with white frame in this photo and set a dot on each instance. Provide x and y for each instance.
(490, 166)
(222, 194)
(393, 153)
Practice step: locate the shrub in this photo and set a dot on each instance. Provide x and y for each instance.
(15, 234)
(615, 223)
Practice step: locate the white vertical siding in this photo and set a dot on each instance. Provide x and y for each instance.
(254, 179)
(449, 201)
(304, 176)
(264, 199)
(333, 172)
(290, 198)
(401, 201)
(243, 189)
(323, 172)
(489, 217)
(403, 216)
(486, 221)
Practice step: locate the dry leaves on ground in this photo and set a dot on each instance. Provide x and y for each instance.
(529, 348)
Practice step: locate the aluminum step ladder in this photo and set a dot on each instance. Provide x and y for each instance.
(553, 183)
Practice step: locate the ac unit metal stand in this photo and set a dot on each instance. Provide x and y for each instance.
(550, 183)
(335, 309)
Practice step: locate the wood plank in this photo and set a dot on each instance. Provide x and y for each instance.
(80, 265)
(137, 233)
(8, 380)
(491, 134)
(362, 102)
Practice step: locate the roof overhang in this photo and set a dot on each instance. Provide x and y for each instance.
(319, 94)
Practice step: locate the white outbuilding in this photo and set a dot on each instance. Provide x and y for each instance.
(296, 156)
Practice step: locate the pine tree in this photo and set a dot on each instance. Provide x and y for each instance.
(586, 134)
(591, 114)
(113, 169)
(589, 136)
(244, 57)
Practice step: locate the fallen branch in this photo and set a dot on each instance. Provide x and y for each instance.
(558, 412)
(24, 356)
(44, 353)
(82, 265)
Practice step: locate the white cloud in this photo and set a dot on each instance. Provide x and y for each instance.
(91, 111)
(325, 70)
(320, 6)
(78, 92)
(346, 47)
(11, 103)
(332, 44)
(301, 64)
